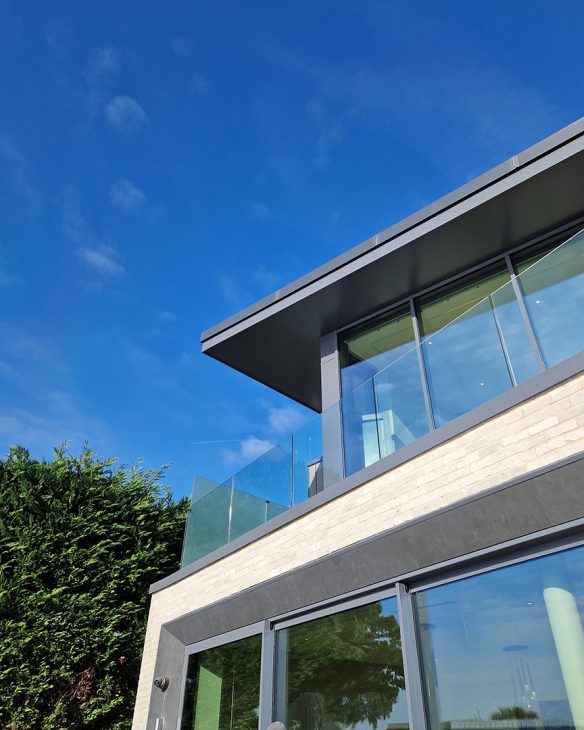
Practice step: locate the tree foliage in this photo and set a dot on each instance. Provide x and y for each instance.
(81, 539)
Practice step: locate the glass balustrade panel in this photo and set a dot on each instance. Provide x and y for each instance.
(383, 345)
(308, 474)
(463, 348)
(514, 335)
(207, 525)
(400, 408)
(553, 285)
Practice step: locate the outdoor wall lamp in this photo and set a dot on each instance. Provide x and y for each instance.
(162, 683)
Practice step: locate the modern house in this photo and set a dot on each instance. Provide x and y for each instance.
(414, 556)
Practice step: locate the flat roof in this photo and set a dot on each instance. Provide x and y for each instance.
(276, 341)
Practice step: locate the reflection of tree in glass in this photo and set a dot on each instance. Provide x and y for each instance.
(344, 668)
(237, 669)
(514, 713)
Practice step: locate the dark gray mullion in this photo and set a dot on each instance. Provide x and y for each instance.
(411, 658)
(502, 342)
(267, 672)
(541, 364)
(422, 366)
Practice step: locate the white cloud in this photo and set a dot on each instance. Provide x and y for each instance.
(166, 316)
(249, 450)
(103, 260)
(252, 448)
(124, 114)
(260, 211)
(103, 61)
(181, 46)
(286, 419)
(96, 254)
(124, 194)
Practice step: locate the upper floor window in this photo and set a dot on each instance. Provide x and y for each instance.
(403, 374)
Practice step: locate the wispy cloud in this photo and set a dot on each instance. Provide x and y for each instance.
(35, 413)
(230, 289)
(102, 260)
(20, 172)
(285, 419)
(103, 61)
(260, 211)
(124, 194)
(249, 449)
(96, 254)
(265, 278)
(166, 316)
(199, 84)
(330, 132)
(181, 46)
(124, 114)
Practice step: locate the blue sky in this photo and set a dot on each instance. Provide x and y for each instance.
(164, 164)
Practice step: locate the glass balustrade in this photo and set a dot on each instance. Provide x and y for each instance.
(478, 340)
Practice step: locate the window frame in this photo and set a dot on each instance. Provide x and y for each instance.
(213, 642)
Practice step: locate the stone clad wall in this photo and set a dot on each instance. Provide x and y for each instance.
(534, 434)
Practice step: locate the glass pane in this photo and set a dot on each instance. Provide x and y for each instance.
(248, 512)
(268, 477)
(361, 443)
(554, 294)
(401, 411)
(462, 348)
(308, 461)
(371, 347)
(343, 671)
(505, 649)
(514, 334)
(223, 687)
(208, 523)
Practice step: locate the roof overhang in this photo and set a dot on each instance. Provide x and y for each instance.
(277, 340)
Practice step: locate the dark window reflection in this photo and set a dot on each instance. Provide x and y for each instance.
(223, 687)
(506, 649)
(343, 671)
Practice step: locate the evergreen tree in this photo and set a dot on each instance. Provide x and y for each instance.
(81, 539)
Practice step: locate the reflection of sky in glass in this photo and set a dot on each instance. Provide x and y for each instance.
(382, 415)
(487, 641)
(554, 295)
(465, 363)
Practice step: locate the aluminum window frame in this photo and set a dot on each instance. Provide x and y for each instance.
(416, 706)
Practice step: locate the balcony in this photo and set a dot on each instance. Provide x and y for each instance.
(442, 361)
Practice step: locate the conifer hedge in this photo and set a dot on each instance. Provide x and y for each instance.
(81, 539)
